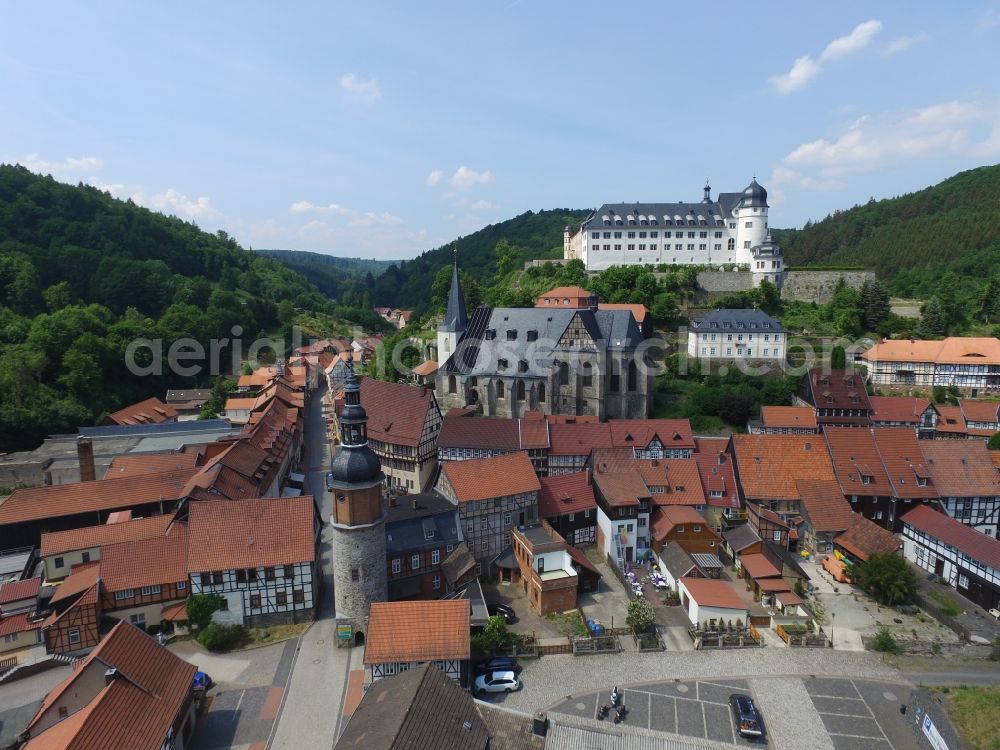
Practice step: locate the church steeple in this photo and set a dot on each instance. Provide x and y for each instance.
(455, 316)
(355, 462)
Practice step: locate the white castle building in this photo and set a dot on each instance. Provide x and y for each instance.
(731, 229)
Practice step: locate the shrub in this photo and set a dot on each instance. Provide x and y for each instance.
(200, 608)
(885, 643)
(217, 637)
(493, 637)
(888, 578)
(641, 615)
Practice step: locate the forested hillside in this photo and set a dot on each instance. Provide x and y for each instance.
(331, 275)
(83, 274)
(532, 235)
(912, 239)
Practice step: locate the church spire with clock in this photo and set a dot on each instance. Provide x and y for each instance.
(359, 514)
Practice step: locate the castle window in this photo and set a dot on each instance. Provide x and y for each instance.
(731, 245)
(749, 225)
(501, 364)
(588, 375)
(522, 366)
(500, 389)
(451, 384)
(355, 575)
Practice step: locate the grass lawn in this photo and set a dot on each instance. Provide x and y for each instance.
(276, 633)
(569, 623)
(975, 712)
(949, 607)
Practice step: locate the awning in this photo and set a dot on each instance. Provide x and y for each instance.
(506, 560)
(176, 612)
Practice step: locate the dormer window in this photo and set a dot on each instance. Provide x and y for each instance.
(511, 335)
(501, 364)
(865, 479)
(532, 335)
(491, 334)
(522, 366)
(921, 482)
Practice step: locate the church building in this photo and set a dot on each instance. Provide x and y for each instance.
(511, 360)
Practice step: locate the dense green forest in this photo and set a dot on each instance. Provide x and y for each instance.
(532, 235)
(83, 274)
(910, 240)
(332, 275)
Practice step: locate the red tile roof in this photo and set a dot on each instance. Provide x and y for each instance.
(838, 389)
(716, 469)
(57, 542)
(951, 420)
(905, 409)
(485, 478)
(82, 578)
(417, 631)
(758, 566)
(709, 592)
(788, 598)
(678, 476)
(965, 539)
(138, 707)
(900, 451)
(151, 463)
(769, 465)
(665, 519)
(864, 538)
(961, 468)
(773, 585)
(427, 367)
(979, 411)
(462, 430)
(620, 487)
(639, 312)
(87, 497)
(855, 455)
(639, 433)
(952, 350)
(396, 412)
(146, 562)
(13, 591)
(569, 493)
(824, 503)
(578, 438)
(150, 411)
(18, 624)
(534, 434)
(577, 296)
(250, 533)
(793, 417)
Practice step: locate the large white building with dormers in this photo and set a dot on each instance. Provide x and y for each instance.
(731, 229)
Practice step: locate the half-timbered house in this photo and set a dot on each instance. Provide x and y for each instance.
(403, 635)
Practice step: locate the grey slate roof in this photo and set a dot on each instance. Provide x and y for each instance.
(677, 560)
(741, 537)
(509, 730)
(711, 213)
(477, 354)
(727, 321)
(407, 527)
(455, 317)
(706, 561)
(420, 708)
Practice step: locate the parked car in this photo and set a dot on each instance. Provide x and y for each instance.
(505, 611)
(500, 664)
(745, 716)
(497, 682)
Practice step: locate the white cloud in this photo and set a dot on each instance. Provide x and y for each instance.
(174, 202)
(858, 39)
(903, 43)
(305, 207)
(64, 169)
(434, 177)
(989, 20)
(951, 129)
(805, 68)
(371, 218)
(483, 205)
(361, 88)
(466, 178)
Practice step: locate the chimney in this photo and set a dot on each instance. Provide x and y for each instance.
(540, 724)
(110, 676)
(85, 455)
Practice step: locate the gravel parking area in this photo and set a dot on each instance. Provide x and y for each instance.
(859, 714)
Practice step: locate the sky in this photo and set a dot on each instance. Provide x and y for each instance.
(381, 130)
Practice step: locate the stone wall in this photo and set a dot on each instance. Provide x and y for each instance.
(725, 282)
(361, 549)
(818, 286)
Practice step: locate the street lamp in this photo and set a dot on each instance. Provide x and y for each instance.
(833, 622)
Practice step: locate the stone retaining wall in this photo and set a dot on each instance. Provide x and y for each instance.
(818, 286)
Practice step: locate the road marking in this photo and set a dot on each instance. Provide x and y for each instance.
(704, 721)
(236, 711)
(875, 719)
(649, 711)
